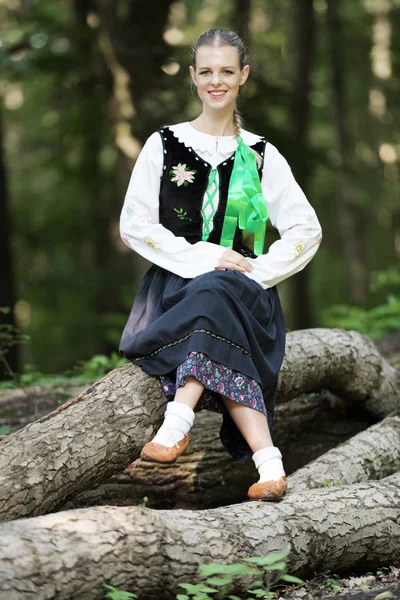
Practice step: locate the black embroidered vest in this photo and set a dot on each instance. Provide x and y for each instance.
(181, 205)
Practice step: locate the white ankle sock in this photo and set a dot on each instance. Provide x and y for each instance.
(178, 419)
(268, 461)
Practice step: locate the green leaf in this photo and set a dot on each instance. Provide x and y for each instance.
(292, 579)
(212, 569)
(233, 569)
(115, 594)
(279, 566)
(267, 560)
(182, 597)
(255, 584)
(258, 593)
(219, 580)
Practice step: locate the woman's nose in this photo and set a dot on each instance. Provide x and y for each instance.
(216, 78)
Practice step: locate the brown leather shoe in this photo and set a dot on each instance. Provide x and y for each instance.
(268, 490)
(154, 452)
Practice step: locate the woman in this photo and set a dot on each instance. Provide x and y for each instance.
(207, 319)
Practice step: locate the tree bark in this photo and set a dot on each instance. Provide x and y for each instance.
(351, 215)
(303, 62)
(191, 481)
(7, 287)
(372, 454)
(72, 554)
(103, 430)
(241, 20)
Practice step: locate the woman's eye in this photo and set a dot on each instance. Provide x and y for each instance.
(227, 71)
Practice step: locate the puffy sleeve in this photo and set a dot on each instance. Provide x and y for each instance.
(294, 217)
(141, 230)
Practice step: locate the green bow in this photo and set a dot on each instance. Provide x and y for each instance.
(245, 203)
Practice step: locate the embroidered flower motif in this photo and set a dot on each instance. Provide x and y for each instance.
(130, 211)
(181, 214)
(298, 248)
(133, 213)
(311, 219)
(156, 246)
(146, 219)
(182, 175)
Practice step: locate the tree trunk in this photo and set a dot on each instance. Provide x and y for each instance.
(304, 429)
(103, 430)
(241, 20)
(191, 481)
(72, 554)
(351, 222)
(7, 292)
(303, 62)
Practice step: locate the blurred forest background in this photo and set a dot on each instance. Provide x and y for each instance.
(83, 83)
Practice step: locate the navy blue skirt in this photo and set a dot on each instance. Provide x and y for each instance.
(222, 314)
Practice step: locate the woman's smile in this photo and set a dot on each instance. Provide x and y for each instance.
(217, 94)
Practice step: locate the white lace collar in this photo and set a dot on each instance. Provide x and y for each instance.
(205, 142)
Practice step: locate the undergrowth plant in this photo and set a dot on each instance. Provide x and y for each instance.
(96, 367)
(9, 336)
(265, 572)
(375, 322)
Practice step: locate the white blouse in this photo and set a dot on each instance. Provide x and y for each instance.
(288, 208)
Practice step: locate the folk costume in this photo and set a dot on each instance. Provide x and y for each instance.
(191, 195)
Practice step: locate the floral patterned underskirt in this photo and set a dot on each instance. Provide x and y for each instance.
(219, 379)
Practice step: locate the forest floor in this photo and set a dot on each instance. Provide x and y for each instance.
(373, 583)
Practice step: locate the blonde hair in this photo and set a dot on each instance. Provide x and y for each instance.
(226, 37)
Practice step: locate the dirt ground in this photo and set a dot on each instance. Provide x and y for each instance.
(373, 583)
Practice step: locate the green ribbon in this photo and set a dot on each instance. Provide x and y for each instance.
(245, 204)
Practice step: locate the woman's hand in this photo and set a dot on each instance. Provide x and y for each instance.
(233, 260)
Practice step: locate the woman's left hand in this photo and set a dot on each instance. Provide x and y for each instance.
(233, 260)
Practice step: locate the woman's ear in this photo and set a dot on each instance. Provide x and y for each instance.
(244, 74)
(193, 75)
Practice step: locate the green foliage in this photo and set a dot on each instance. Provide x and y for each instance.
(219, 578)
(97, 366)
(375, 322)
(9, 336)
(114, 594)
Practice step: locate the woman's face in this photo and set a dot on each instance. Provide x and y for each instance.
(218, 76)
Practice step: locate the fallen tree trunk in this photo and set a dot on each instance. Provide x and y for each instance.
(345, 362)
(103, 430)
(206, 480)
(372, 454)
(72, 554)
(304, 429)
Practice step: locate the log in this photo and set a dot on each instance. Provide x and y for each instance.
(102, 431)
(372, 454)
(72, 554)
(304, 429)
(345, 362)
(191, 481)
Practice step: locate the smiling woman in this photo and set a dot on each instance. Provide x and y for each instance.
(207, 318)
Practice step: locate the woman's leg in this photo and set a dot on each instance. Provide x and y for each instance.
(252, 424)
(172, 438)
(189, 393)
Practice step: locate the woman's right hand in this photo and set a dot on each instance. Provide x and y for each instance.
(233, 260)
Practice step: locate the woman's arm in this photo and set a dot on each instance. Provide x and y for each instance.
(293, 216)
(139, 222)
